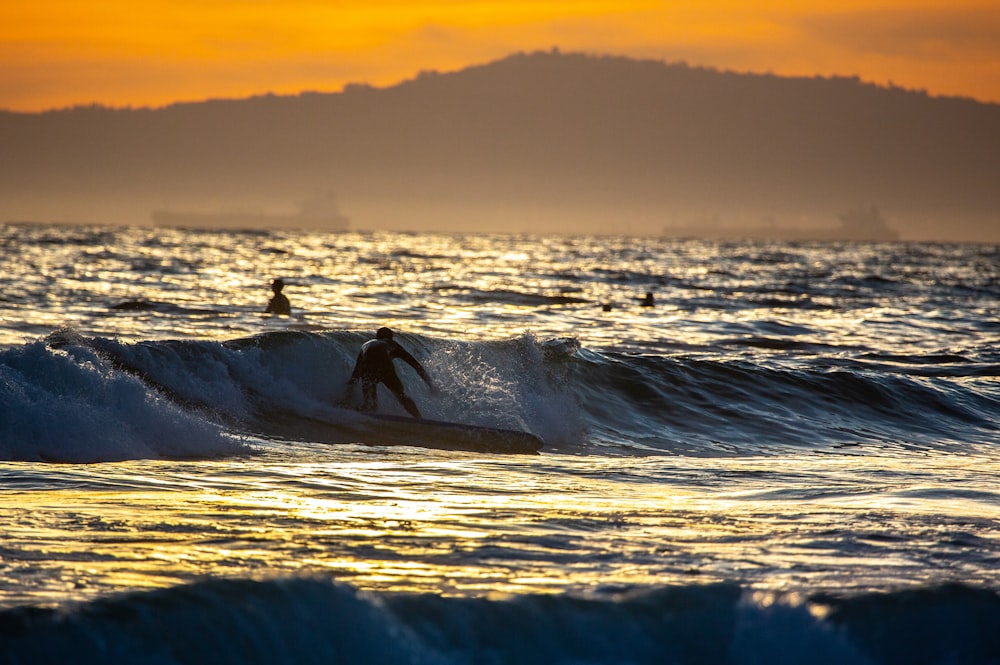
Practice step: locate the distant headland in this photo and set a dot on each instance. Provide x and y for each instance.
(535, 142)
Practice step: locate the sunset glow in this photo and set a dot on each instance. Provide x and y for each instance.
(57, 53)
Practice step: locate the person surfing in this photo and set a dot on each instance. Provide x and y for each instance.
(374, 366)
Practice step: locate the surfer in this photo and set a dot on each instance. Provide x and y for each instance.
(278, 304)
(374, 366)
(647, 301)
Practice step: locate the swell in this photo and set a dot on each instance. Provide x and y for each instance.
(311, 620)
(690, 405)
(63, 397)
(235, 387)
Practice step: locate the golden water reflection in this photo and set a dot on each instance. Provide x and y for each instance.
(463, 525)
(481, 287)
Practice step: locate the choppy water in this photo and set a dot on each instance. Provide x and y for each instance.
(791, 457)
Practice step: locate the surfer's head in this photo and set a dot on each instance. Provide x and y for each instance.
(383, 333)
(277, 285)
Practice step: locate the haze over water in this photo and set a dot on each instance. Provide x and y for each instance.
(728, 476)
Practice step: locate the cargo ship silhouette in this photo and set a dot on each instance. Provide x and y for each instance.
(320, 214)
(857, 225)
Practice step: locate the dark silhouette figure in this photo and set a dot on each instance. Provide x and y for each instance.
(278, 304)
(374, 366)
(134, 306)
(648, 300)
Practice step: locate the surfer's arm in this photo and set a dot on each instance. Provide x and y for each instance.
(404, 355)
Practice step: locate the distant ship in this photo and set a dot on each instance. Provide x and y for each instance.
(866, 224)
(857, 225)
(318, 214)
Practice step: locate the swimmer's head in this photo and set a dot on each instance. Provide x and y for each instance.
(383, 333)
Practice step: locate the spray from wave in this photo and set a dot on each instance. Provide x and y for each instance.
(64, 406)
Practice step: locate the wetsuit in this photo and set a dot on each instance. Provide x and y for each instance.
(278, 304)
(374, 366)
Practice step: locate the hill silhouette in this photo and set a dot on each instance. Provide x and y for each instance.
(534, 142)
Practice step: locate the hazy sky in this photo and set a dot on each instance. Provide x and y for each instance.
(56, 53)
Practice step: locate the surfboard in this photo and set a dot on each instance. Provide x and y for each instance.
(388, 430)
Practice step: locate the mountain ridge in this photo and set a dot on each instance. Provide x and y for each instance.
(534, 141)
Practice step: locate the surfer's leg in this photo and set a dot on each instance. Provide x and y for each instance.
(369, 393)
(409, 405)
(396, 386)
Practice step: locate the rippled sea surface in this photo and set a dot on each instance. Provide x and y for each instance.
(796, 425)
(895, 299)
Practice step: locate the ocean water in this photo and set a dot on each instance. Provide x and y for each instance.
(792, 457)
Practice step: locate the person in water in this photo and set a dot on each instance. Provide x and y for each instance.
(278, 304)
(374, 366)
(647, 301)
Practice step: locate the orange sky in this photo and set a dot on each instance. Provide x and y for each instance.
(57, 53)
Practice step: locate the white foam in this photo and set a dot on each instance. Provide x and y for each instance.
(64, 407)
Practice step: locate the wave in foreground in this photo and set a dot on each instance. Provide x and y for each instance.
(310, 620)
(70, 398)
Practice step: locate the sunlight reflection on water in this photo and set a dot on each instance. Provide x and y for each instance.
(483, 287)
(454, 524)
(710, 502)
